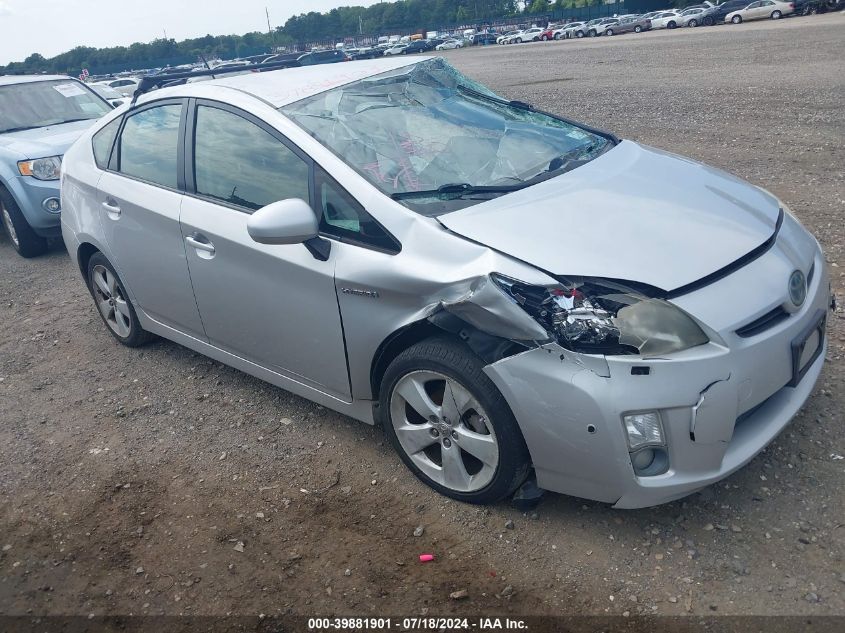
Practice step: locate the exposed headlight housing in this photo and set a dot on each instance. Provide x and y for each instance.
(42, 168)
(599, 316)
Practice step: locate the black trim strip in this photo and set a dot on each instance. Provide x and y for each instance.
(732, 267)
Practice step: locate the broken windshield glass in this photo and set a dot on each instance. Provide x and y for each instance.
(425, 126)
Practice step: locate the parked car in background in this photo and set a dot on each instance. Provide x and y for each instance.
(314, 58)
(501, 39)
(716, 14)
(666, 20)
(124, 85)
(418, 46)
(450, 45)
(40, 117)
(396, 49)
(108, 93)
(574, 29)
(632, 24)
(549, 32)
(690, 17)
(761, 10)
(528, 35)
(365, 52)
(484, 39)
(602, 25)
(284, 232)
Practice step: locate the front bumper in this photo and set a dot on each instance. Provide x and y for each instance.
(570, 406)
(30, 194)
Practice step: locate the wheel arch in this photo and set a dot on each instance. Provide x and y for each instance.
(84, 254)
(487, 347)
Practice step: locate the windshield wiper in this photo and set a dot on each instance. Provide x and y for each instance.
(84, 118)
(519, 105)
(20, 129)
(458, 189)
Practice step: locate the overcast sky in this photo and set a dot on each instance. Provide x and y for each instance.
(50, 27)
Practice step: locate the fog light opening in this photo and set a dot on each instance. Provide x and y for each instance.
(52, 205)
(648, 462)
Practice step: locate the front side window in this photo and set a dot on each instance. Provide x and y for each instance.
(240, 163)
(422, 127)
(149, 144)
(30, 105)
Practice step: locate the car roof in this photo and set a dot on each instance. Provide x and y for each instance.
(6, 80)
(285, 86)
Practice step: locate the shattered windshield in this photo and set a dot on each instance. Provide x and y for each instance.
(437, 141)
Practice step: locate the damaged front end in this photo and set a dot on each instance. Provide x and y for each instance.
(583, 315)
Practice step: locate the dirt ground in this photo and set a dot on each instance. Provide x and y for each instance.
(156, 481)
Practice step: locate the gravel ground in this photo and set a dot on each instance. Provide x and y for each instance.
(156, 481)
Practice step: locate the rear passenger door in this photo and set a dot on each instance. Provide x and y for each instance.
(140, 199)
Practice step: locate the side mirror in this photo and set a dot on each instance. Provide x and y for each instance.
(290, 221)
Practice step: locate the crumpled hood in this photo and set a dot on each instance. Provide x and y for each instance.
(44, 141)
(633, 213)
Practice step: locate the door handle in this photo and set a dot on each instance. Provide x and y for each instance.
(194, 241)
(111, 206)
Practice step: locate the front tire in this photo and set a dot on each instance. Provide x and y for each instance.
(113, 303)
(449, 423)
(24, 240)
(671, 25)
(693, 23)
(737, 19)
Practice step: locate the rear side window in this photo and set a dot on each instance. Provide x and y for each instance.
(240, 163)
(149, 144)
(103, 141)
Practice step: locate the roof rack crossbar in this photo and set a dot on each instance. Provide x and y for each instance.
(149, 82)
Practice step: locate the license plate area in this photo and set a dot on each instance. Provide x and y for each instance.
(806, 347)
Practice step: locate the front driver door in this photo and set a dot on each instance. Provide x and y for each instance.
(274, 305)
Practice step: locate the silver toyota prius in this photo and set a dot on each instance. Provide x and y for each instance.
(510, 294)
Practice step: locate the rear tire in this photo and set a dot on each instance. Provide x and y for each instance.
(113, 303)
(638, 29)
(609, 32)
(24, 240)
(776, 15)
(435, 447)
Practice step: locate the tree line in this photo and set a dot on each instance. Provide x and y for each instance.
(380, 18)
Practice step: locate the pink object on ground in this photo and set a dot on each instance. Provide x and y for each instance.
(424, 558)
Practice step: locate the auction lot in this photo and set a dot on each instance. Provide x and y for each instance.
(156, 481)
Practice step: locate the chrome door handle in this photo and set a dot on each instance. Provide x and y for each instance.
(111, 206)
(208, 247)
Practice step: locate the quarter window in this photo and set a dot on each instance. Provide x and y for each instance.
(103, 141)
(148, 145)
(343, 217)
(242, 164)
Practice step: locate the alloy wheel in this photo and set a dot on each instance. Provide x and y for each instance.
(443, 429)
(110, 301)
(10, 228)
